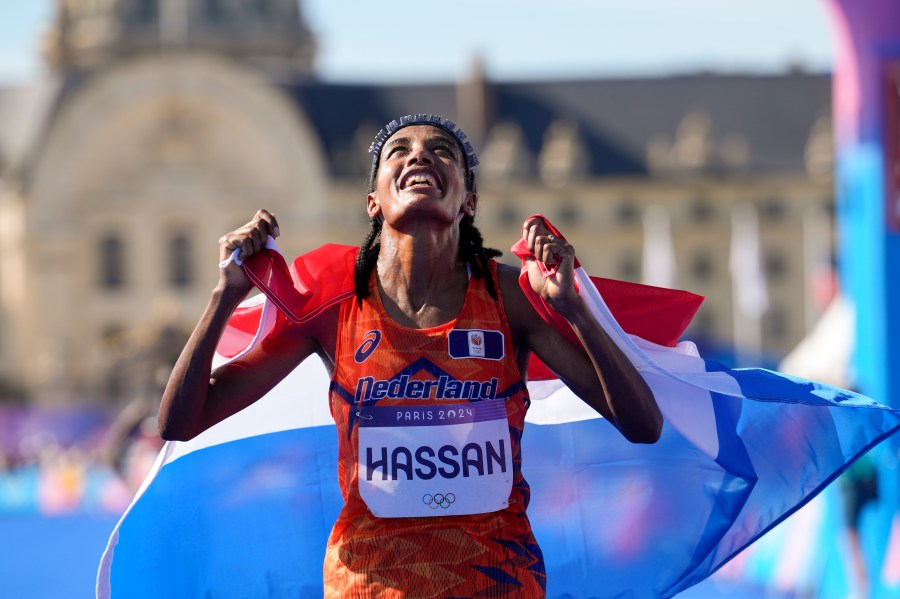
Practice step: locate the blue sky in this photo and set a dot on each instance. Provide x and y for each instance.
(402, 40)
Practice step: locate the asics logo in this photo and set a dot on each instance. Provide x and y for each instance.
(370, 342)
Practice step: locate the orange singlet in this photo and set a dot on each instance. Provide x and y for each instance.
(482, 555)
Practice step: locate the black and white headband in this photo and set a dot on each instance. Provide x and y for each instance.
(424, 119)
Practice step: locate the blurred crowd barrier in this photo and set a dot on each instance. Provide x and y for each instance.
(73, 460)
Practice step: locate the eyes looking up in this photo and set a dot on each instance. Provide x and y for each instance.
(440, 146)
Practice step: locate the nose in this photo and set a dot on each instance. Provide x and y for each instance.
(419, 154)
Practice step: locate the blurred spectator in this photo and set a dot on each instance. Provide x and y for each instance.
(132, 442)
(859, 487)
(75, 461)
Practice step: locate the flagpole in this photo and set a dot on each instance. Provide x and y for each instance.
(659, 266)
(173, 22)
(749, 294)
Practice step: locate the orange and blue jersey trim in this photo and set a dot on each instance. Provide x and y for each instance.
(379, 362)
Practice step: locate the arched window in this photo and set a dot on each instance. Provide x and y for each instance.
(111, 262)
(179, 267)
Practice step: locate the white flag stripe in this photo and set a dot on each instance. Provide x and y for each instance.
(666, 369)
(555, 403)
(648, 360)
(277, 411)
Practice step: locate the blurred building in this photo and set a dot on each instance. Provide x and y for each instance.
(166, 123)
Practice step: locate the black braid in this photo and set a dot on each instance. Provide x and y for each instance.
(473, 252)
(366, 260)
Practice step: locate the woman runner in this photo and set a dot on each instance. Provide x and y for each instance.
(436, 340)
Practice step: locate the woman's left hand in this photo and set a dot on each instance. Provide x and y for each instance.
(558, 289)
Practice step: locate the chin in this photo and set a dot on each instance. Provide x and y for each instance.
(426, 209)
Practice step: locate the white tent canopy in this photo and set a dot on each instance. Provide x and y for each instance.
(824, 354)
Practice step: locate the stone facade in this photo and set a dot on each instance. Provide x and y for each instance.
(152, 142)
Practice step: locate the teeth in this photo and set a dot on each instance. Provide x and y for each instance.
(416, 179)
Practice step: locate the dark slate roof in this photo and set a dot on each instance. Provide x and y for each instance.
(616, 117)
(337, 112)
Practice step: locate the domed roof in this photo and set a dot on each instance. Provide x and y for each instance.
(271, 33)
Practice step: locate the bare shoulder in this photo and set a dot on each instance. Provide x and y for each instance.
(508, 275)
(508, 278)
(521, 315)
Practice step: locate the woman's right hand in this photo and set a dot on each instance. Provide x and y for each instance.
(192, 401)
(250, 238)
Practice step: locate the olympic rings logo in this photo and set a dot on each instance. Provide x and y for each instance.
(439, 500)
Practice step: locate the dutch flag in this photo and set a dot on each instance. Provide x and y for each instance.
(244, 509)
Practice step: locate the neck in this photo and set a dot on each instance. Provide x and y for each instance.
(421, 271)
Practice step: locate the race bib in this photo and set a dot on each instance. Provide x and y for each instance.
(435, 460)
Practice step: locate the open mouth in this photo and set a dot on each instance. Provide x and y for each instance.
(419, 180)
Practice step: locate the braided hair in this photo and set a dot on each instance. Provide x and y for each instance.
(471, 243)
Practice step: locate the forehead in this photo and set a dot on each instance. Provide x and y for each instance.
(421, 133)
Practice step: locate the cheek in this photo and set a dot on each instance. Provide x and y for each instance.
(386, 175)
(382, 187)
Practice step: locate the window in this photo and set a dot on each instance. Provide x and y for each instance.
(180, 272)
(508, 214)
(777, 324)
(701, 211)
(776, 265)
(629, 267)
(112, 262)
(773, 210)
(568, 213)
(702, 266)
(627, 212)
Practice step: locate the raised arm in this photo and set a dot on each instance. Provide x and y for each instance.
(597, 370)
(194, 399)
